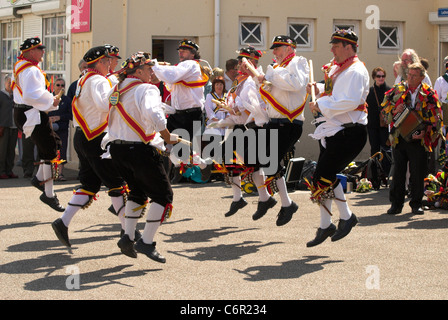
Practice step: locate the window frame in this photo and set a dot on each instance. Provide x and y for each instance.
(399, 31)
(305, 22)
(263, 32)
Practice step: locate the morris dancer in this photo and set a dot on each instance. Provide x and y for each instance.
(413, 94)
(244, 101)
(285, 102)
(186, 81)
(114, 53)
(136, 133)
(90, 111)
(32, 102)
(342, 131)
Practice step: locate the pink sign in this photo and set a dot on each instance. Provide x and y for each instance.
(80, 16)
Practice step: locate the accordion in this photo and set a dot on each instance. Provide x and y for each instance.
(409, 122)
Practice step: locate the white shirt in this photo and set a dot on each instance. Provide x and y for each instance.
(93, 101)
(249, 101)
(35, 94)
(144, 105)
(441, 87)
(350, 90)
(182, 97)
(288, 86)
(228, 81)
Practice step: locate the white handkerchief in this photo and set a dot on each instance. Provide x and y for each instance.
(32, 119)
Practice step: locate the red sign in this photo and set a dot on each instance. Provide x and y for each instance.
(79, 16)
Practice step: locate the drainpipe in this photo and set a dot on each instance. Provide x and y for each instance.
(217, 31)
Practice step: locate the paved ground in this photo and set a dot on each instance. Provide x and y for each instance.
(211, 257)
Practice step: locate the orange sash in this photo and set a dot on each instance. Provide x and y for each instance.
(196, 84)
(114, 101)
(89, 133)
(291, 115)
(24, 66)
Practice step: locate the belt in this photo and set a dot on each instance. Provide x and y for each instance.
(284, 120)
(126, 142)
(353, 125)
(22, 106)
(189, 110)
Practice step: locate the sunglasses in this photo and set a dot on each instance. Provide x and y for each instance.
(60, 85)
(380, 76)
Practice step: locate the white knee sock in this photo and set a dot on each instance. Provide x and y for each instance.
(236, 188)
(40, 173)
(118, 204)
(344, 211)
(75, 203)
(283, 192)
(325, 217)
(153, 219)
(47, 175)
(132, 214)
(259, 179)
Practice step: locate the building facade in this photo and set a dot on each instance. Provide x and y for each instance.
(220, 27)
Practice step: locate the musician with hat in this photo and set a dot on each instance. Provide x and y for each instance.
(32, 102)
(342, 118)
(285, 99)
(90, 108)
(186, 81)
(136, 134)
(411, 99)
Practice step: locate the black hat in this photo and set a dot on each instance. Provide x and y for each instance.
(343, 35)
(250, 53)
(96, 53)
(188, 44)
(113, 50)
(31, 43)
(279, 41)
(136, 60)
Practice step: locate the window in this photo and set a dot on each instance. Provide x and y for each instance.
(54, 39)
(302, 31)
(346, 24)
(252, 32)
(389, 37)
(11, 39)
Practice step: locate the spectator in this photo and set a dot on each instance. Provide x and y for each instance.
(408, 57)
(8, 132)
(377, 126)
(60, 120)
(441, 84)
(231, 73)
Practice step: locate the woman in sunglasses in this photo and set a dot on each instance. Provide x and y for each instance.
(60, 120)
(376, 126)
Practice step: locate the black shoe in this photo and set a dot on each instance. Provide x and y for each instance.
(52, 202)
(137, 234)
(418, 210)
(38, 184)
(149, 250)
(322, 235)
(285, 214)
(263, 207)
(394, 210)
(344, 227)
(235, 206)
(126, 246)
(206, 172)
(61, 231)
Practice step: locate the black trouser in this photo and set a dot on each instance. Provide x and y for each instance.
(43, 135)
(184, 119)
(94, 170)
(415, 154)
(287, 134)
(377, 138)
(340, 150)
(142, 167)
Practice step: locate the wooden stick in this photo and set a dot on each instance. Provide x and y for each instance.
(313, 93)
(255, 72)
(226, 107)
